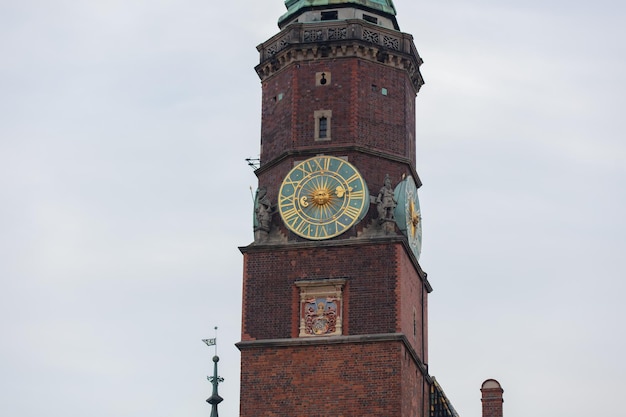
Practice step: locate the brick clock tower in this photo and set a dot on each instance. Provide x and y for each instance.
(334, 300)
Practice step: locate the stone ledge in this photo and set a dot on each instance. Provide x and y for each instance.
(356, 241)
(338, 340)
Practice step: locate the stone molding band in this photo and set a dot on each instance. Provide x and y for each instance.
(337, 340)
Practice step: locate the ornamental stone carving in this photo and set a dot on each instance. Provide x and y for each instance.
(321, 305)
(299, 42)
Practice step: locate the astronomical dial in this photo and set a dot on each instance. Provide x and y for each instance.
(322, 197)
(407, 214)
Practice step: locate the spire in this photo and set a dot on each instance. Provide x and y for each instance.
(214, 399)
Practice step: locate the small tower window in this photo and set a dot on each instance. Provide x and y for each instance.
(370, 19)
(322, 124)
(323, 128)
(332, 15)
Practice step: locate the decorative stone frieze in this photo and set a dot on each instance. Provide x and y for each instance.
(340, 39)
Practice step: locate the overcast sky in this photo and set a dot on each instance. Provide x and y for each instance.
(124, 194)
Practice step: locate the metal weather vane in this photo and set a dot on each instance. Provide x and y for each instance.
(214, 399)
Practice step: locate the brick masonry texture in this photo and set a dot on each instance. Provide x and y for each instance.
(381, 293)
(362, 118)
(361, 114)
(370, 369)
(492, 402)
(344, 380)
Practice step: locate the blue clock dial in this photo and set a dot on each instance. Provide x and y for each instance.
(408, 215)
(322, 197)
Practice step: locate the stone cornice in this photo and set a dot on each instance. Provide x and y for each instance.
(336, 150)
(340, 39)
(357, 241)
(336, 340)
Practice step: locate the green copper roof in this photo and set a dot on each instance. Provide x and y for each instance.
(294, 6)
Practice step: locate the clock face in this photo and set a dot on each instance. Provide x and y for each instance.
(407, 214)
(322, 197)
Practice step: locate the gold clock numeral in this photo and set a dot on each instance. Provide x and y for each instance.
(311, 230)
(337, 169)
(323, 165)
(354, 177)
(300, 169)
(290, 215)
(339, 227)
(357, 194)
(309, 165)
(285, 200)
(303, 228)
(352, 212)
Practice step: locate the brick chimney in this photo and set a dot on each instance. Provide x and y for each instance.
(492, 398)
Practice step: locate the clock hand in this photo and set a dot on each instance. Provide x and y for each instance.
(340, 191)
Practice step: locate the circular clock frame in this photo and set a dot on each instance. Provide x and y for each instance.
(408, 215)
(322, 197)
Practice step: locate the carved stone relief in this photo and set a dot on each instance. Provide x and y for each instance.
(321, 306)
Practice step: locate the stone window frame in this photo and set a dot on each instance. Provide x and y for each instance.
(329, 15)
(328, 115)
(371, 19)
(328, 288)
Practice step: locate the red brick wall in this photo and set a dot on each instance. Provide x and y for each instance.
(412, 296)
(415, 389)
(361, 114)
(338, 380)
(385, 122)
(381, 289)
(376, 133)
(276, 115)
(492, 408)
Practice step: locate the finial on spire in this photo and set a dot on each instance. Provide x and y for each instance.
(214, 399)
